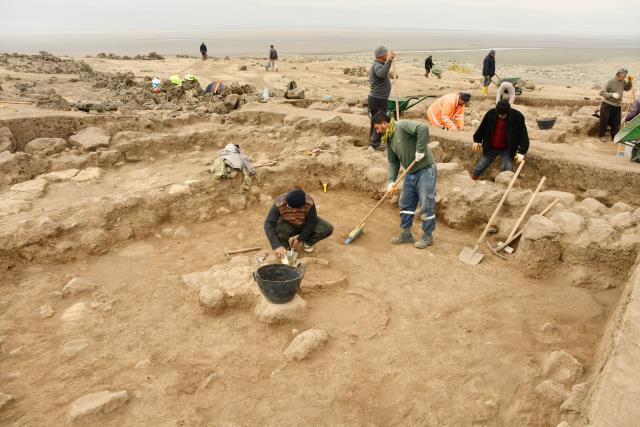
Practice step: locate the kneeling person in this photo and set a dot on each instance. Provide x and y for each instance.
(503, 133)
(407, 141)
(294, 214)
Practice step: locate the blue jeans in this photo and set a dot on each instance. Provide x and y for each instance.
(419, 187)
(489, 155)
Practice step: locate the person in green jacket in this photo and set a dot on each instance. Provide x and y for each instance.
(407, 141)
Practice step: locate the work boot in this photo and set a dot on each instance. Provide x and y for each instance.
(424, 242)
(603, 139)
(485, 89)
(307, 248)
(404, 237)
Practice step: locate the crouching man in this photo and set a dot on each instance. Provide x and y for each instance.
(503, 133)
(294, 215)
(407, 141)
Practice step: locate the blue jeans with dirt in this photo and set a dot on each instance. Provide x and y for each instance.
(489, 155)
(419, 187)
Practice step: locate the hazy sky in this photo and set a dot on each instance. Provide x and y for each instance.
(567, 17)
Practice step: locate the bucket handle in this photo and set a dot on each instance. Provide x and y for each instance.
(302, 268)
(255, 276)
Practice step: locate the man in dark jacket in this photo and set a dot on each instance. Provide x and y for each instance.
(611, 107)
(203, 51)
(428, 65)
(503, 133)
(273, 57)
(294, 214)
(488, 70)
(380, 90)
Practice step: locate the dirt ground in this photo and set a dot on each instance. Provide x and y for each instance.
(415, 337)
(411, 340)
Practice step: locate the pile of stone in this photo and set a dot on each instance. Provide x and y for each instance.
(356, 71)
(152, 56)
(43, 64)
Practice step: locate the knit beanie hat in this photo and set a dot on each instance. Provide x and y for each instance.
(503, 107)
(380, 50)
(296, 198)
(492, 52)
(466, 97)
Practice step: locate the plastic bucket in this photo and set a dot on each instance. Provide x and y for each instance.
(279, 283)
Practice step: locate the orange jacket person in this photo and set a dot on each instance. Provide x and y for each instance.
(448, 111)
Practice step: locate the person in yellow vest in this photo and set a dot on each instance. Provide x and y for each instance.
(294, 214)
(447, 112)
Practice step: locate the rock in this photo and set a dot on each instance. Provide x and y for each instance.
(551, 391)
(143, 364)
(242, 68)
(94, 404)
(60, 176)
(504, 177)
(7, 142)
(530, 85)
(178, 189)
(46, 311)
(72, 348)
(77, 286)
(602, 196)
(45, 146)
(569, 222)
(5, 399)
(231, 101)
(211, 299)
(621, 207)
(305, 343)
(293, 311)
(30, 190)
(564, 423)
(76, 312)
(376, 175)
(448, 168)
(575, 400)
(562, 367)
(593, 205)
(181, 233)
(237, 202)
(544, 198)
(600, 230)
(623, 220)
(90, 138)
(539, 227)
(88, 174)
(332, 125)
(10, 167)
(95, 242)
(296, 93)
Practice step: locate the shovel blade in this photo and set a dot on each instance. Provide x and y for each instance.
(470, 256)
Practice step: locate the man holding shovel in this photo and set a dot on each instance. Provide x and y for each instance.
(503, 133)
(294, 214)
(407, 141)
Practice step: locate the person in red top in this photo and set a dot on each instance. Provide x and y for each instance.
(503, 133)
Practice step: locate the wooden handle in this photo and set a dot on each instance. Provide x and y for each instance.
(239, 251)
(526, 209)
(395, 87)
(400, 178)
(519, 233)
(504, 197)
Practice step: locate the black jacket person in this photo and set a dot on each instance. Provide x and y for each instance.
(502, 132)
(294, 214)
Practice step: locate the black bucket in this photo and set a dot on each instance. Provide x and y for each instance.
(279, 283)
(546, 123)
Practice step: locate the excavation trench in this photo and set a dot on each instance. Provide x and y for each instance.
(415, 336)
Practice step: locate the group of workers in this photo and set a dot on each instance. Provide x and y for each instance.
(293, 221)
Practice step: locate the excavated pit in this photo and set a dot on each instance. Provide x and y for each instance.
(415, 337)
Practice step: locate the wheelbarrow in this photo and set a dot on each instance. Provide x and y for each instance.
(517, 83)
(405, 102)
(629, 136)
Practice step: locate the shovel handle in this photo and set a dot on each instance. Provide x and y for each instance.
(526, 209)
(400, 178)
(495, 212)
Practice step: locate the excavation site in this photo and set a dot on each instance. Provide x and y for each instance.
(127, 268)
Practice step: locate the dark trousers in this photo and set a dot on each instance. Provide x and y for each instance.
(609, 116)
(375, 105)
(489, 155)
(285, 231)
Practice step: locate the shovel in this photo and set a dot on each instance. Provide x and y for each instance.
(471, 256)
(358, 230)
